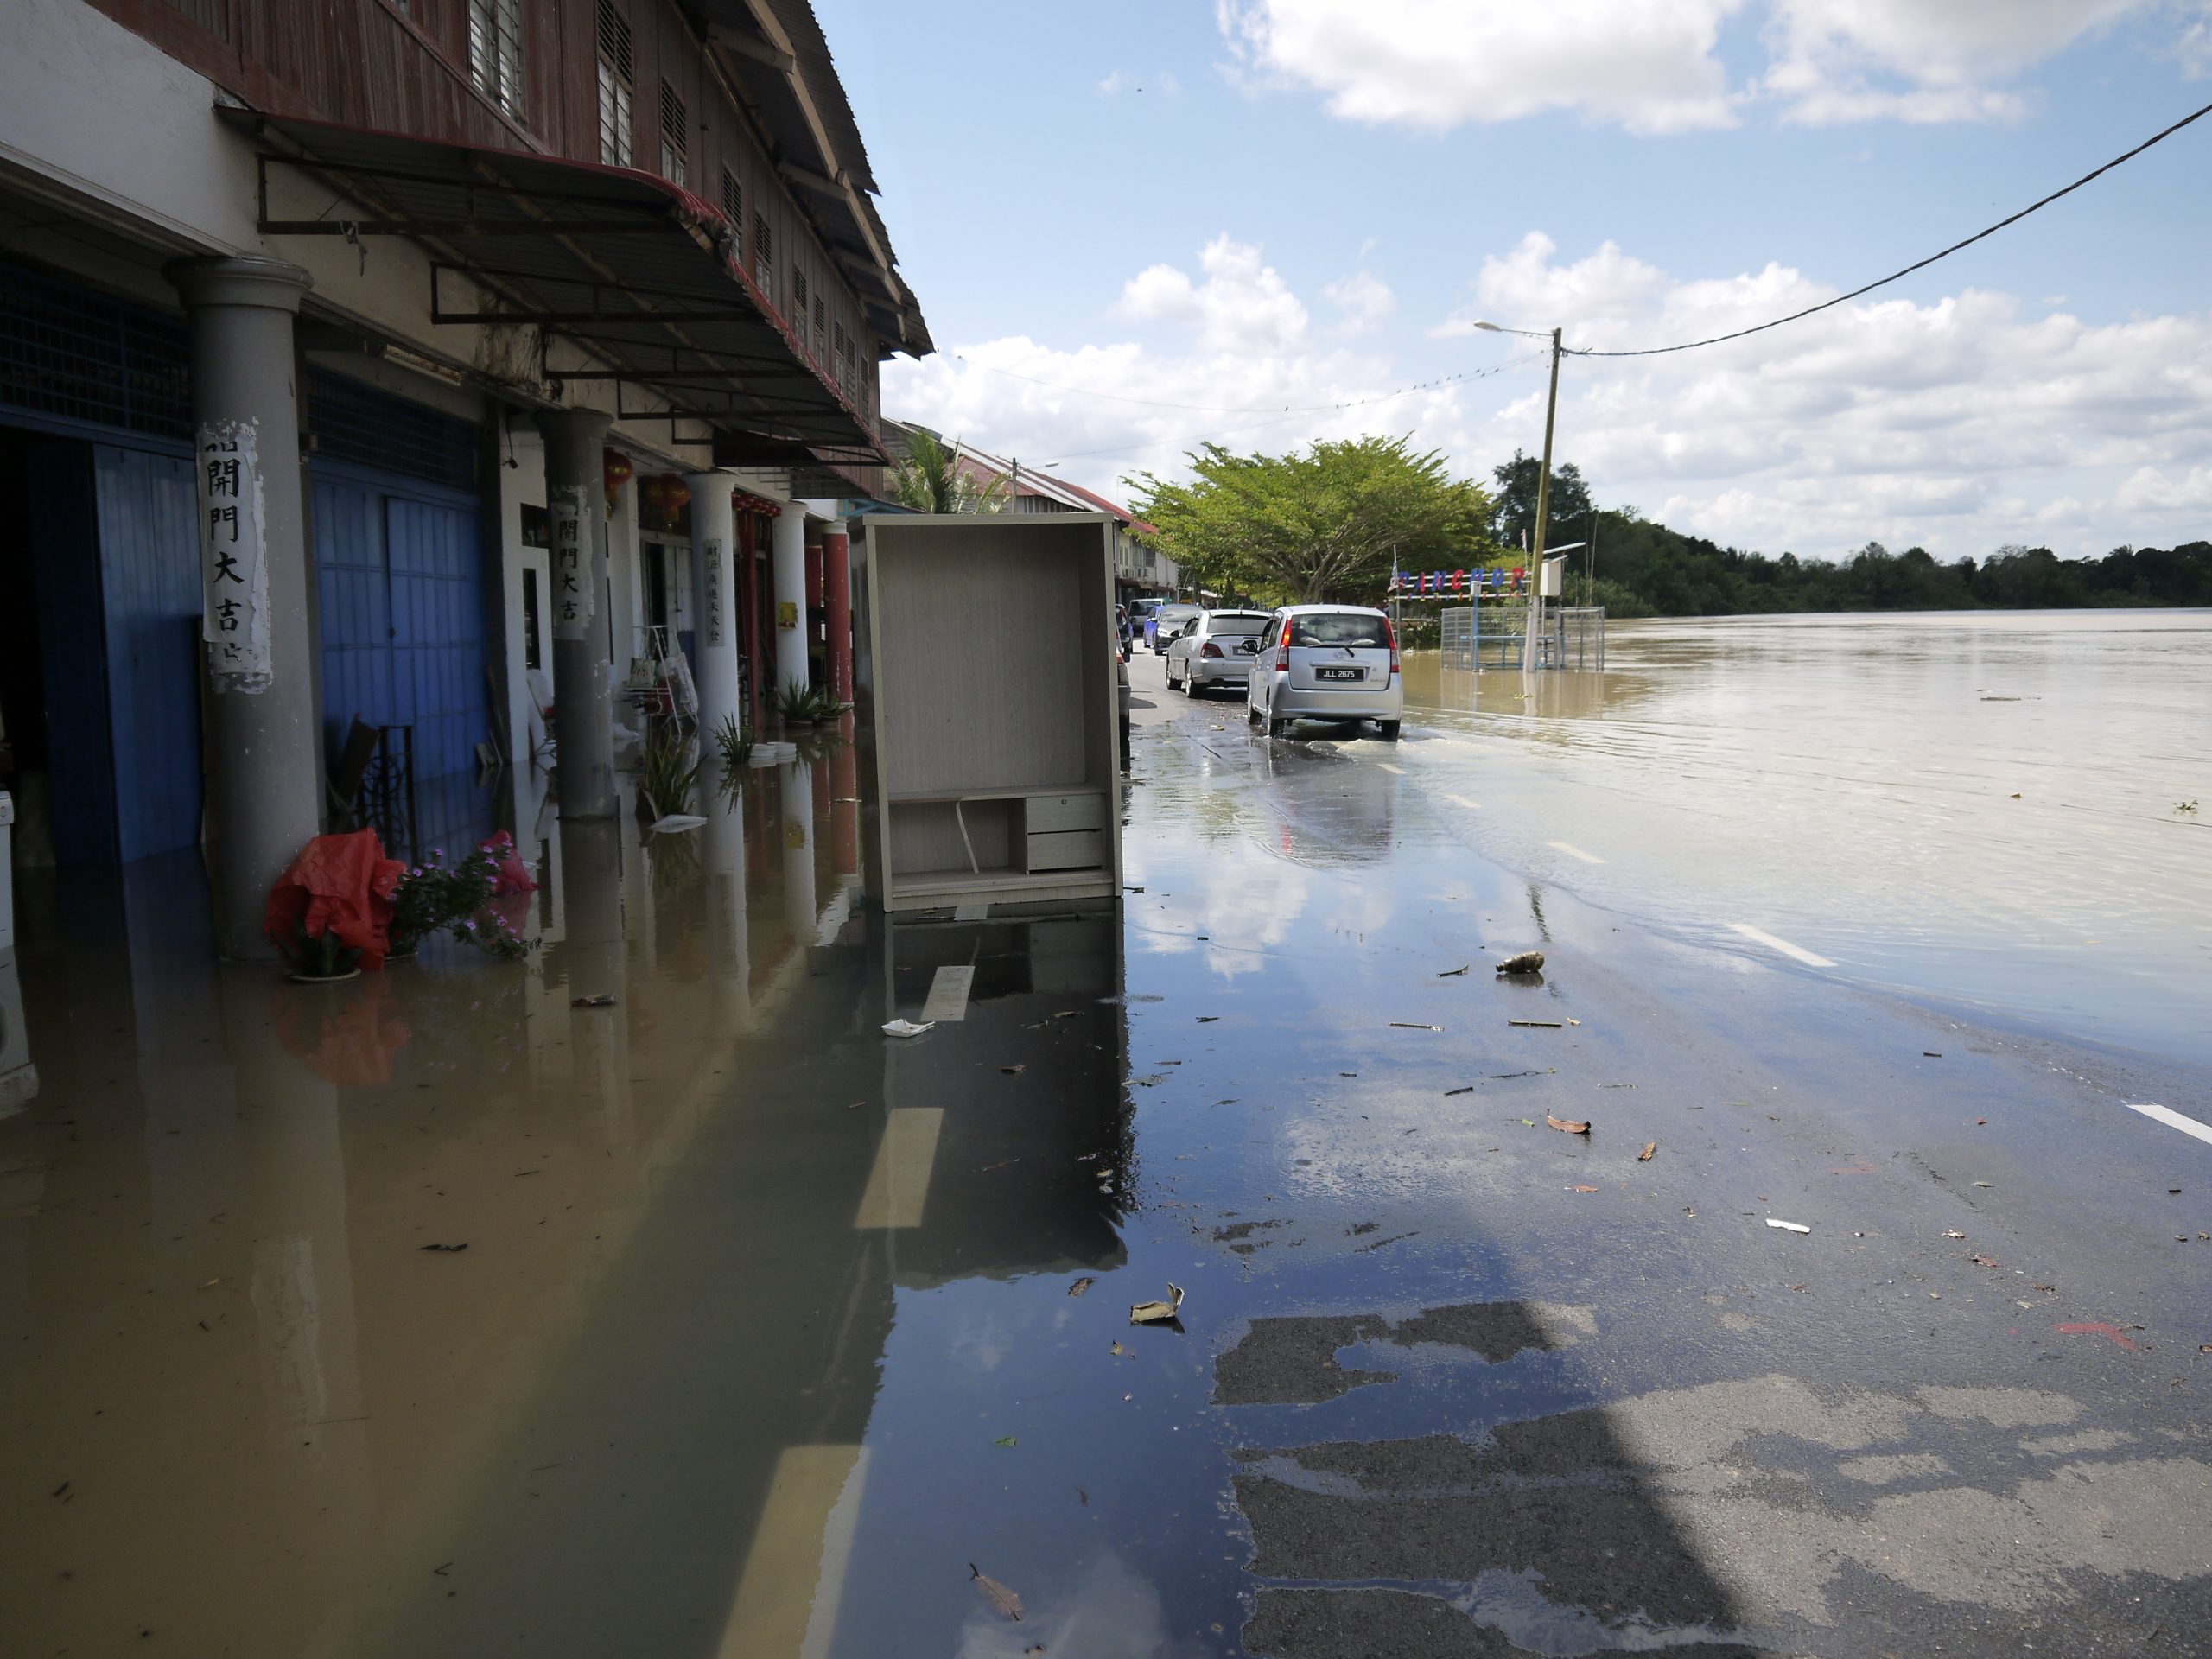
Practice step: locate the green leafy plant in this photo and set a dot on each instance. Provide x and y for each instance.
(929, 477)
(798, 700)
(733, 743)
(435, 895)
(319, 956)
(668, 769)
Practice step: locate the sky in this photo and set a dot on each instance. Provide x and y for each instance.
(1137, 227)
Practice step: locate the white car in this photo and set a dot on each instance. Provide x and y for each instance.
(1325, 662)
(1216, 648)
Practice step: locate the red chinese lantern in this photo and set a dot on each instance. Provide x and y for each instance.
(617, 469)
(665, 493)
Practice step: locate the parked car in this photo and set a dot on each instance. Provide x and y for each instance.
(1121, 633)
(1325, 662)
(1217, 648)
(1165, 623)
(1139, 611)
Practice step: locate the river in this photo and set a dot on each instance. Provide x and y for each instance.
(1987, 809)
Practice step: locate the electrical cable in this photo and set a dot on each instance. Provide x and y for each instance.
(1231, 409)
(1921, 264)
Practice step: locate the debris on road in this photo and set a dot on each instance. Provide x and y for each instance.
(1650, 1149)
(1547, 1025)
(1582, 1189)
(1528, 962)
(1080, 1286)
(591, 1001)
(1013, 1070)
(1409, 1025)
(1208, 1019)
(1006, 1439)
(1159, 1312)
(1568, 1125)
(449, 1249)
(1003, 1601)
(1469, 1090)
(1981, 1260)
(1789, 1226)
(905, 1027)
(2090, 1328)
(1953, 1232)
(1455, 973)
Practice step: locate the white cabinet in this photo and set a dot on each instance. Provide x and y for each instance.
(989, 709)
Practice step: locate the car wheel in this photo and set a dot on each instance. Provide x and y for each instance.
(1389, 729)
(1251, 714)
(1278, 728)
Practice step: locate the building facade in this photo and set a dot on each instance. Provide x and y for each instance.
(412, 368)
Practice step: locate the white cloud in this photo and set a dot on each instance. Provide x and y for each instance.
(1959, 423)
(1119, 81)
(1656, 65)
(1115, 82)
(1363, 301)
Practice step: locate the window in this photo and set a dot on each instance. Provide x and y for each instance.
(1337, 628)
(495, 51)
(763, 255)
(821, 326)
(614, 126)
(733, 202)
(844, 347)
(798, 294)
(675, 136)
(532, 654)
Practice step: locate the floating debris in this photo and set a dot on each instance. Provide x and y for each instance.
(1159, 1312)
(1528, 962)
(1789, 1226)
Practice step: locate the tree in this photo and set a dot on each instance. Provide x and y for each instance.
(929, 478)
(1514, 515)
(1326, 524)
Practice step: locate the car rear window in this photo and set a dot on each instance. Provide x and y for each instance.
(1237, 624)
(1335, 628)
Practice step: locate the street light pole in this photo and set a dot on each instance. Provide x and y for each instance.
(1543, 515)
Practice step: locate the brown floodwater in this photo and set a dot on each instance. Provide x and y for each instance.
(1987, 808)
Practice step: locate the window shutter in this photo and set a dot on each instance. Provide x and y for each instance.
(675, 136)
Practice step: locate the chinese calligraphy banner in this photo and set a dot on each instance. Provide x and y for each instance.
(710, 600)
(233, 573)
(572, 574)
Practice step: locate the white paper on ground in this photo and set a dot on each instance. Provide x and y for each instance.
(904, 1028)
(1789, 1226)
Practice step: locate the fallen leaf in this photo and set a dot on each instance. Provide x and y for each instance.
(1567, 1126)
(1159, 1312)
(1582, 1189)
(1118, 1350)
(1003, 1601)
(1080, 1286)
(1789, 1226)
(1013, 1070)
(1006, 1439)
(1979, 1121)
(1981, 1261)
(1528, 1122)
(1649, 1148)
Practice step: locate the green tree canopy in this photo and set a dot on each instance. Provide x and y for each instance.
(1319, 525)
(929, 478)
(1514, 515)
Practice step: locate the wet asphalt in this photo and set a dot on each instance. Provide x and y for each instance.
(775, 1335)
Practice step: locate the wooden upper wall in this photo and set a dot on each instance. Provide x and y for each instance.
(402, 66)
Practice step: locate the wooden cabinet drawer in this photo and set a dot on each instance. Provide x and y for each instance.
(1047, 812)
(1066, 849)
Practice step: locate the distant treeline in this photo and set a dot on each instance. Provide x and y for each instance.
(1647, 570)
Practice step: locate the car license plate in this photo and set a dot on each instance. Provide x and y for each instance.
(1340, 673)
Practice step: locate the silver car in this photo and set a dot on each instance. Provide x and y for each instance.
(1325, 662)
(1215, 648)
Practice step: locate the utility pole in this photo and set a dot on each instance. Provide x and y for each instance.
(1543, 510)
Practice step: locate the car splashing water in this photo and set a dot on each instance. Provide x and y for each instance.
(1995, 808)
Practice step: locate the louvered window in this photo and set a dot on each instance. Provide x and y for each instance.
(821, 326)
(675, 136)
(495, 51)
(733, 201)
(615, 79)
(763, 256)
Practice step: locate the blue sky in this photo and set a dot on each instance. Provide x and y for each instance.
(1281, 204)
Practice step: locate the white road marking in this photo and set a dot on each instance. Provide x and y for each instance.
(1576, 852)
(794, 1576)
(949, 994)
(1461, 800)
(1783, 945)
(1395, 771)
(2172, 1119)
(899, 1187)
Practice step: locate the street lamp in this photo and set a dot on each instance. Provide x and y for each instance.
(1543, 484)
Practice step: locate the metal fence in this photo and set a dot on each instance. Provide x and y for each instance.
(1570, 637)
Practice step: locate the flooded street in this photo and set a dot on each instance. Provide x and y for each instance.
(773, 1336)
(1981, 807)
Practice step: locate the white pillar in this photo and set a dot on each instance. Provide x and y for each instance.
(714, 601)
(584, 716)
(800, 911)
(789, 547)
(264, 730)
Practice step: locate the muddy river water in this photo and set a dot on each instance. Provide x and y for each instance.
(1984, 807)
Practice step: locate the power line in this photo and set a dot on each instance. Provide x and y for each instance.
(1921, 264)
(1234, 408)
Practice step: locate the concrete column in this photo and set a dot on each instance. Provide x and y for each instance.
(837, 608)
(715, 602)
(801, 911)
(264, 790)
(788, 544)
(583, 720)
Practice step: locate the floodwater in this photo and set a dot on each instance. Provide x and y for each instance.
(1984, 807)
(771, 1333)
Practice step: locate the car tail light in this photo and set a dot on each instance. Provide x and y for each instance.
(1282, 650)
(1209, 649)
(1390, 638)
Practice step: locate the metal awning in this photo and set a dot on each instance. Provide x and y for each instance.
(645, 277)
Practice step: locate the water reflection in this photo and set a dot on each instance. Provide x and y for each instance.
(626, 1408)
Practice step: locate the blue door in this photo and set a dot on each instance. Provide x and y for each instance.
(400, 569)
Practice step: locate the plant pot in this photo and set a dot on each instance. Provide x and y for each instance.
(404, 952)
(298, 978)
